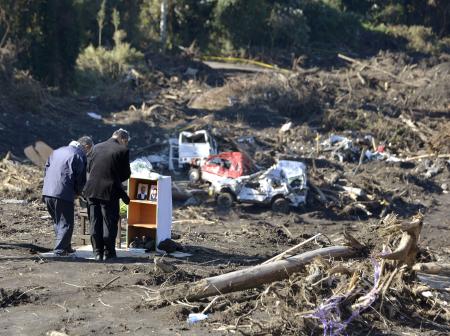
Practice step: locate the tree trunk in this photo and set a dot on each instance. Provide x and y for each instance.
(250, 277)
(163, 23)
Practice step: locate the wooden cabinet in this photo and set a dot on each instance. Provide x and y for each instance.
(150, 210)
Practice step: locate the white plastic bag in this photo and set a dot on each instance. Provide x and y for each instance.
(141, 167)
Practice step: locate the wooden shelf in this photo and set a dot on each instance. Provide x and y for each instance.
(152, 219)
(143, 202)
(144, 225)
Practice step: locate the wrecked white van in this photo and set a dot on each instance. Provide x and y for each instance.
(281, 186)
(191, 148)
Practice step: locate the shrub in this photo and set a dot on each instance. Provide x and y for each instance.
(243, 22)
(390, 14)
(418, 38)
(328, 25)
(288, 27)
(18, 90)
(97, 67)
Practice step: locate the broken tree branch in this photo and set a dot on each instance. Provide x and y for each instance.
(109, 282)
(283, 254)
(425, 156)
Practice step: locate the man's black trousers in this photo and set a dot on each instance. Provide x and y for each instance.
(104, 218)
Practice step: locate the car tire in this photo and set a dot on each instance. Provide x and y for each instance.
(225, 200)
(194, 175)
(280, 205)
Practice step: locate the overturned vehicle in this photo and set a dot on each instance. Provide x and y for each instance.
(281, 186)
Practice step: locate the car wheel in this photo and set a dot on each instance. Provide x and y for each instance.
(280, 205)
(225, 200)
(194, 175)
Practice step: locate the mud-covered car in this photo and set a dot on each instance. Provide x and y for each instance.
(281, 186)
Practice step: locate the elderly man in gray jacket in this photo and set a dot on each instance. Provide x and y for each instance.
(65, 177)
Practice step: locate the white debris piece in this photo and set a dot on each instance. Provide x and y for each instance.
(14, 201)
(196, 317)
(286, 127)
(427, 294)
(246, 139)
(94, 115)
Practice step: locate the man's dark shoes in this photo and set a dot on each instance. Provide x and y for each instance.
(110, 255)
(98, 256)
(71, 250)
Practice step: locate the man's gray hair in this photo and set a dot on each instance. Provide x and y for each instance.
(121, 134)
(86, 141)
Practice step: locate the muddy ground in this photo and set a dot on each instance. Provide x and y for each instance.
(73, 296)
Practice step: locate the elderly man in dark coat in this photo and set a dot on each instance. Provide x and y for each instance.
(65, 177)
(108, 167)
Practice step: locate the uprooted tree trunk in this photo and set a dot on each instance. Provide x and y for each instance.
(250, 277)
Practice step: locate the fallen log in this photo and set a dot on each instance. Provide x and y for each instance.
(250, 277)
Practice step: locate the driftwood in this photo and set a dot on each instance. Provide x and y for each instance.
(250, 277)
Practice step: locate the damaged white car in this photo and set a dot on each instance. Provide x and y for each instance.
(281, 186)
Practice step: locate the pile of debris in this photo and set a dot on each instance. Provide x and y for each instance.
(19, 181)
(332, 288)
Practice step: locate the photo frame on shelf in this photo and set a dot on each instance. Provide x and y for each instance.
(142, 192)
(153, 193)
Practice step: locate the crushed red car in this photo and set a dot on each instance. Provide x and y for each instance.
(222, 165)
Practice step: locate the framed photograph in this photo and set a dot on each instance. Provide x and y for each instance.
(153, 193)
(142, 191)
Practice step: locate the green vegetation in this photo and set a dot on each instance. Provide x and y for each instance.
(68, 42)
(416, 38)
(99, 68)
